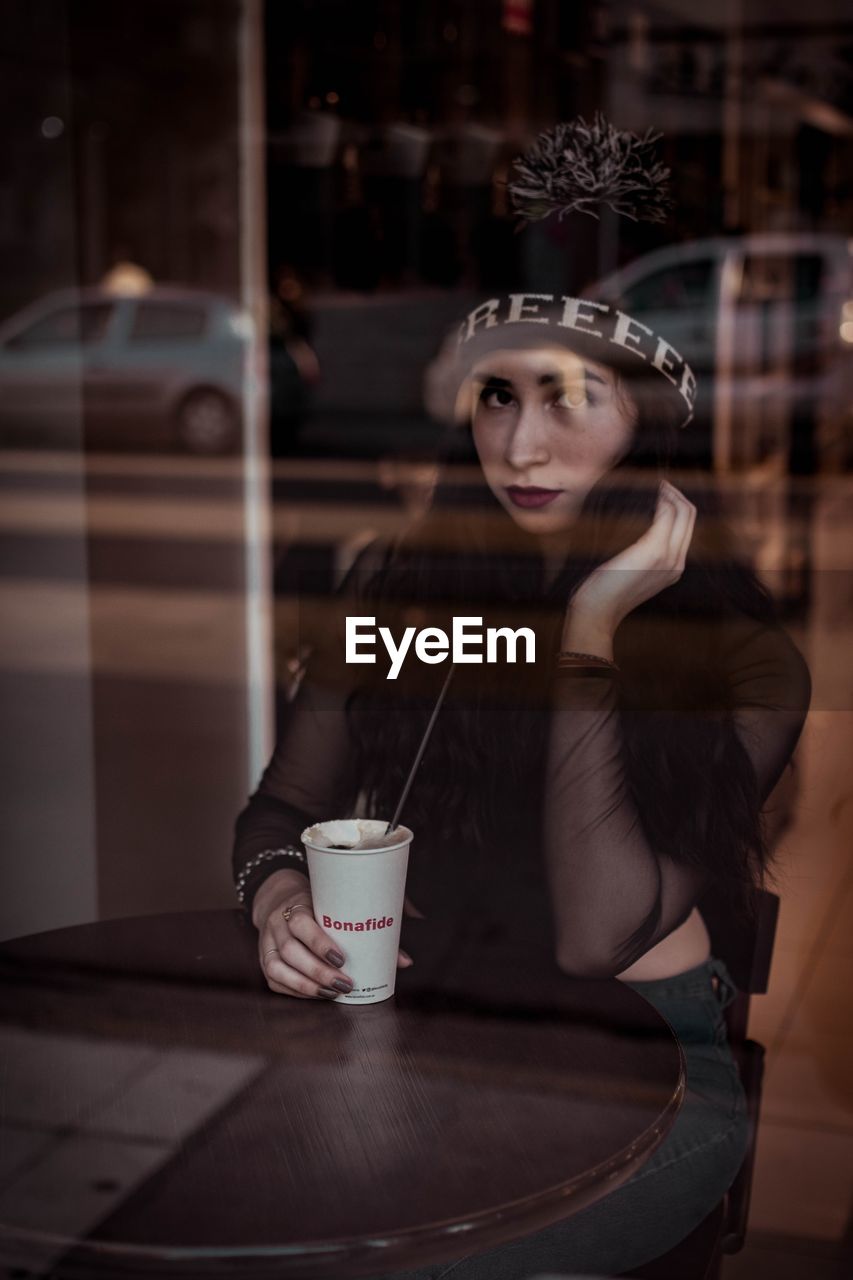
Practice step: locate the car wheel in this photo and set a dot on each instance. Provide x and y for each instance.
(206, 422)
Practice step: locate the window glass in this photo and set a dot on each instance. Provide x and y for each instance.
(794, 277)
(167, 320)
(680, 286)
(67, 325)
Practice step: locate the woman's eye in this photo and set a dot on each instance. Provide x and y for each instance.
(573, 398)
(496, 397)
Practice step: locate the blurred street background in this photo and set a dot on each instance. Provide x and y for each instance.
(233, 238)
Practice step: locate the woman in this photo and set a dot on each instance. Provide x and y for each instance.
(600, 792)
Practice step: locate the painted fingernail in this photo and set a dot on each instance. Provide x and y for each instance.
(335, 958)
(328, 993)
(342, 984)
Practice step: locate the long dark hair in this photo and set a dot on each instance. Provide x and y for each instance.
(691, 778)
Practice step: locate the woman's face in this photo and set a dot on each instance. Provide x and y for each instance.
(547, 426)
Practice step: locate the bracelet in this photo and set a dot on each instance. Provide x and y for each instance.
(576, 668)
(568, 658)
(290, 851)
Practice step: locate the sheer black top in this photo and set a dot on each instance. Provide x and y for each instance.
(567, 858)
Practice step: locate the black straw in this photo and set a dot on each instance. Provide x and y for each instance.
(421, 749)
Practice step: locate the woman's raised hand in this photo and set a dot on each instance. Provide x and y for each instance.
(655, 561)
(296, 955)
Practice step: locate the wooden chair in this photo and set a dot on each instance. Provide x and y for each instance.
(747, 951)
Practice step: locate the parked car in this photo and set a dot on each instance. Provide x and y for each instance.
(166, 366)
(765, 318)
(767, 322)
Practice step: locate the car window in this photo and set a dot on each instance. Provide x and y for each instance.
(156, 321)
(792, 277)
(67, 326)
(682, 285)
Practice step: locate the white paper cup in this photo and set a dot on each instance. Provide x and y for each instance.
(358, 901)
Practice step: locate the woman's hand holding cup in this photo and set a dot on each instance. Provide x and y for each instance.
(297, 957)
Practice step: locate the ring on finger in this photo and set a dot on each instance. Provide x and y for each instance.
(288, 911)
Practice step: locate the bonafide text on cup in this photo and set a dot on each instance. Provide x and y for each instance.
(358, 926)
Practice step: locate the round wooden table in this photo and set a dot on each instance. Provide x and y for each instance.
(194, 1124)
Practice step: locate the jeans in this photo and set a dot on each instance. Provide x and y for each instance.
(681, 1183)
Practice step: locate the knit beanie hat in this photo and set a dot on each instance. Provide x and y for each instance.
(575, 168)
